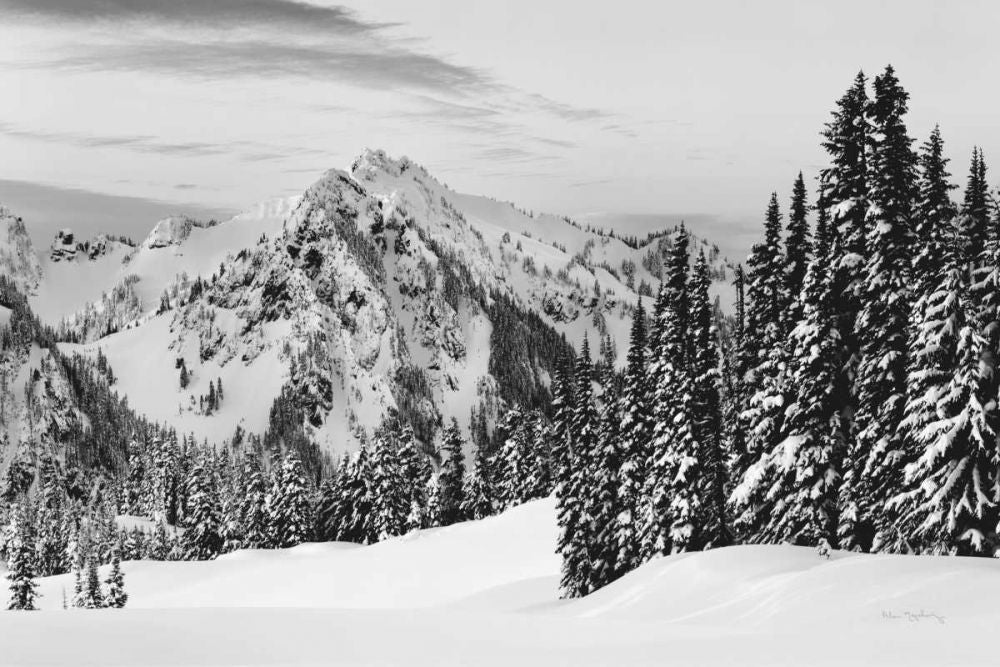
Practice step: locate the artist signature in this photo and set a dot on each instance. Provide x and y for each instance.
(912, 616)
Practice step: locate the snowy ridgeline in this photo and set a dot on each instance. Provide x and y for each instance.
(486, 592)
(377, 289)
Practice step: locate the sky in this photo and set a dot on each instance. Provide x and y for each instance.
(116, 112)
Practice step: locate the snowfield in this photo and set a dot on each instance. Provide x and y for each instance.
(485, 593)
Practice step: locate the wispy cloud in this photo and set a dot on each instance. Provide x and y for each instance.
(223, 39)
(247, 151)
(223, 14)
(510, 154)
(376, 69)
(566, 111)
(583, 184)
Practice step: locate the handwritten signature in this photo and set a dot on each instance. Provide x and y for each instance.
(912, 616)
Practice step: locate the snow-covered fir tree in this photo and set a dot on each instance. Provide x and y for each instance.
(116, 597)
(675, 476)
(479, 501)
(287, 507)
(934, 223)
(21, 570)
(804, 487)
(202, 522)
(93, 595)
(843, 205)
(634, 437)
(707, 410)
(881, 327)
(388, 493)
(253, 495)
(764, 415)
(451, 481)
(797, 249)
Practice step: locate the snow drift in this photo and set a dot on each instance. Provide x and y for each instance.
(485, 593)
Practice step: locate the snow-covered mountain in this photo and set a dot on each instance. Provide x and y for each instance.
(379, 288)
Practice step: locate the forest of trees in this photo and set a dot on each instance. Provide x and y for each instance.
(850, 402)
(855, 405)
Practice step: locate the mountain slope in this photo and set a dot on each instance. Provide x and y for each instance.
(378, 289)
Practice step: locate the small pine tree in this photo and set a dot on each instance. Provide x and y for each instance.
(93, 596)
(117, 597)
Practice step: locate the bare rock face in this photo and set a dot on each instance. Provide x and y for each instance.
(63, 247)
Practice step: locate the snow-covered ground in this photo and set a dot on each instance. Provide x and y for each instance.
(485, 593)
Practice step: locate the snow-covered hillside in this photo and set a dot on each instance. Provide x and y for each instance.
(18, 261)
(486, 593)
(378, 288)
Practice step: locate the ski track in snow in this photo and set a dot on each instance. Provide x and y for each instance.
(486, 593)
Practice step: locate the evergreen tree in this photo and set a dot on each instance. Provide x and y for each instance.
(738, 359)
(674, 512)
(21, 570)
(576, 421)
(514, 460)
(159, 544)
(605, 482)
(805, 486)
(359, 516)
(416, 472)
(389, 497)
(975, 219)
(634, 440)
(253, 517)
(882, 322)
(539, 475)
(452, 478)
(201, 537)
(330, 504)
(479, 501)
(287, 508)
(935, 219)
(134, 482)
(432, 506)
(706, 409)
(796, 252)
(948, 504)
(93, 596)
(979, 240)
(586, 432)
(764, 415)
(51, 540)
(843, 199)
(117, 597)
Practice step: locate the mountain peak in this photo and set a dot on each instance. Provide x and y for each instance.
(373, 162)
